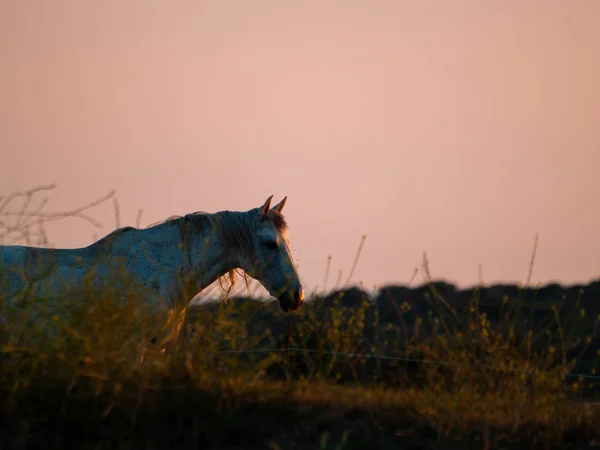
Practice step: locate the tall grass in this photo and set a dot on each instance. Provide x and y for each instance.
(458, 376)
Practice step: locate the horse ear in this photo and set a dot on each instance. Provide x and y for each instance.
(265, 208)
(279, 206)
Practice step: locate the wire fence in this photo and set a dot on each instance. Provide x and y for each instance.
(288, 349)
(398, 358)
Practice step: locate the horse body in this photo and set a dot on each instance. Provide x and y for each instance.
(166, 264)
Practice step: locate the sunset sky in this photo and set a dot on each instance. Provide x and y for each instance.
(460, 128)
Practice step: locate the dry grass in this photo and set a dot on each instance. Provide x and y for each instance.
(96, 381)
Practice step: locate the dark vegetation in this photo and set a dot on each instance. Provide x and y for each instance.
(476, 369)
(417, 368)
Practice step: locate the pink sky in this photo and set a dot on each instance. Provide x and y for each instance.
(461, 128)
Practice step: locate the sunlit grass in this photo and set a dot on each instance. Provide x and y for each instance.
(459, 377)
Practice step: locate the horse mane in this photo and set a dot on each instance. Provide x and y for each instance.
(235, 227)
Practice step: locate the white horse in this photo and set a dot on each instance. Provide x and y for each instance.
(169, 263)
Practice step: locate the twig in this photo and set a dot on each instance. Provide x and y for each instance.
(117, 213)
(532, 261)
(138, 219)
(27, 219)
(360, 246)
(327, 269)
(31, 191)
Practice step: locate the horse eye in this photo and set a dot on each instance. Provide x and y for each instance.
(271, 244)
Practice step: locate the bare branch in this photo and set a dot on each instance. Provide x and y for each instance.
(27, 219)
(31, 191)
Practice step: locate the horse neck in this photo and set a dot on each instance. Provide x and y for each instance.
(208, 258)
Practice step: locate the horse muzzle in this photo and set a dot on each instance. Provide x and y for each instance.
(290, 301)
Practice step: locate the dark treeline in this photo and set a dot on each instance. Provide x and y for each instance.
(385, 324)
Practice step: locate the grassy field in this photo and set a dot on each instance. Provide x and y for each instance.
(99, 383)
(423, 367)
